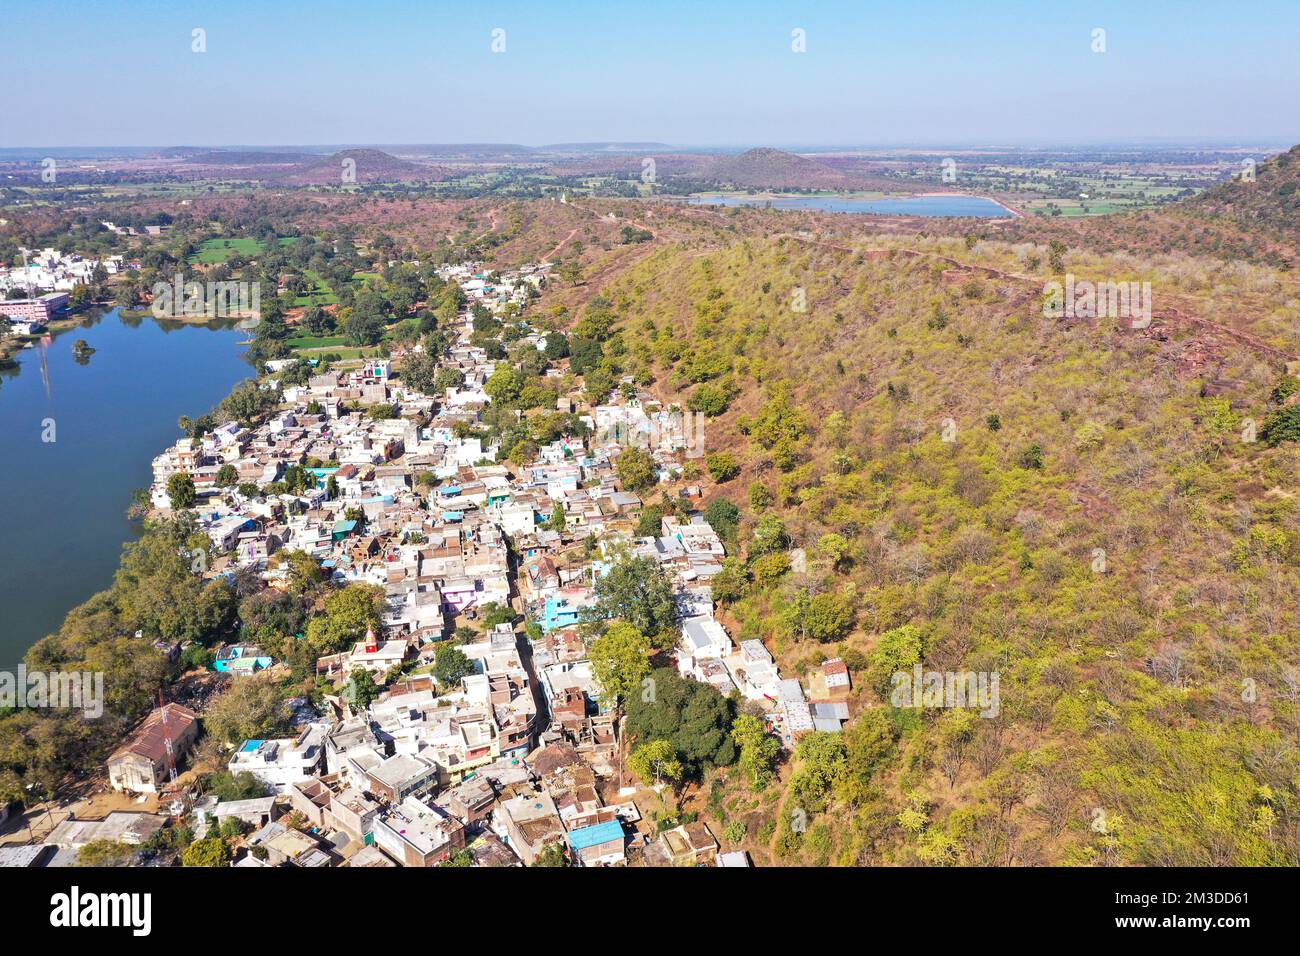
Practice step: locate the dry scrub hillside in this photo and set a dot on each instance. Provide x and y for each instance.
(930, 471)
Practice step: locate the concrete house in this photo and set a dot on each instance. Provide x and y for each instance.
(140, 765)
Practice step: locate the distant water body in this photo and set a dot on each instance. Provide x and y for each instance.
(908, 206)
(64, 502)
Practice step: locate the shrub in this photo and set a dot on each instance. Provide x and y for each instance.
(723, 466)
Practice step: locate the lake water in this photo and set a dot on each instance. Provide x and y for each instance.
(64, 502)
(903, 206)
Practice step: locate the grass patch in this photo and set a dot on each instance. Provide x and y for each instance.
(213, 251)
(316, 341)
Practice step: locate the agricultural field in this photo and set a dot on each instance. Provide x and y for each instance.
(320, 294)
(214, 251)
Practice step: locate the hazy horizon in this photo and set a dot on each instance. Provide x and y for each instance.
(806, 147)
(726, 76)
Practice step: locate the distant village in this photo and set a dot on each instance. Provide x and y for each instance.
(34, 294)
(510, 763)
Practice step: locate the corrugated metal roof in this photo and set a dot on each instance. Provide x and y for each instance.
(585, 837)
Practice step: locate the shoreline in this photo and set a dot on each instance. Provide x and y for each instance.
(753, 199)
(13, 345)
(997, 202)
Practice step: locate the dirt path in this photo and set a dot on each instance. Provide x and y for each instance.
(1170, 316)
(551, 255)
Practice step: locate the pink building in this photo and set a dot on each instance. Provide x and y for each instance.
(34, 313)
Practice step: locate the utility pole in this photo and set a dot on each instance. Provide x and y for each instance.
(167, 742)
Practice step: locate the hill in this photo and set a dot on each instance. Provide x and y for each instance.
(371, 166)
(1239, 220)
(229, 157)
(1268, 202)
(975, 488)
(773, 169)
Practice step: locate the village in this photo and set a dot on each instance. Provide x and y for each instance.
(522, 755)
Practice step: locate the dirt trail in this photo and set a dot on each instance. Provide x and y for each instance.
(551, 255)
(1170, 316)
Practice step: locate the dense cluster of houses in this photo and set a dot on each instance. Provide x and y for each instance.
(49, 270)
(511, 761)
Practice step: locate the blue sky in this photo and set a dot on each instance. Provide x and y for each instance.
(112, 73)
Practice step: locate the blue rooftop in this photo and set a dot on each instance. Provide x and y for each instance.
(585, 837)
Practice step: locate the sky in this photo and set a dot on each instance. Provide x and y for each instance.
(720, 73)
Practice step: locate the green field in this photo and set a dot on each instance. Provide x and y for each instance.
(213, 251)
(316, 341)
(344, 354)
(321, 294)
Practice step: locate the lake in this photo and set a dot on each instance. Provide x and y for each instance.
(65, 501)
(902, 206)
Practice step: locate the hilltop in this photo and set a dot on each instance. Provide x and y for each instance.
(765, 168)
(309, 169)
(1269, 202)
(371, 166)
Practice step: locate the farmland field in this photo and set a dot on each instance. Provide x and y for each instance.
(213, 251)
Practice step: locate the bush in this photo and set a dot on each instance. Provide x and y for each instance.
(636, 470)
(1281, 426)
(723, 466)
(210, 851)
(712, 400)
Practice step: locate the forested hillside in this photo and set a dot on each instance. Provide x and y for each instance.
(928, 470)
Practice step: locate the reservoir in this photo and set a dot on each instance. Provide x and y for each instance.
(64, 501)
(945, 205)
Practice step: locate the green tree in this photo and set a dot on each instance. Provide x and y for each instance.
(835, 548)
(710, 399)
(349, 614)
(305, 574)
(504, 385)
(180, 490)
(248, 402)
(210, 851)
(898, 650)
(620, 660)
(598, 382)
(569, 271)
(1283, 425)
(227, 786)
(636, 469)
(829, 617)
(723, 517)
(419, 372)
(758, 749)
(691, 716)
(769, 536)
(767, 569)
(361, 689)
(655, 762)
(722, 466)
(251, 708)
(450, 665)
(637, 590)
